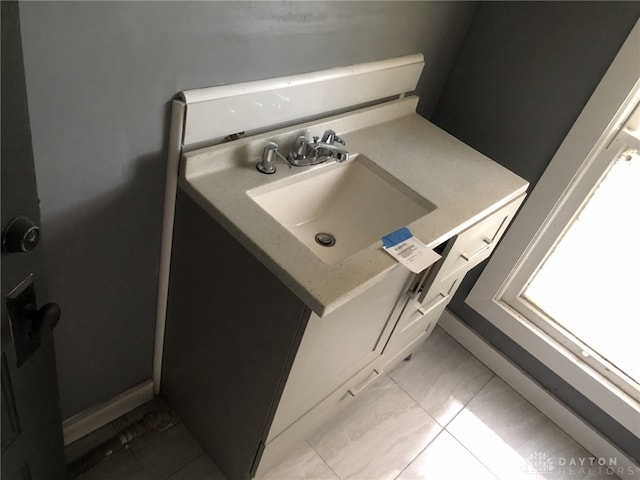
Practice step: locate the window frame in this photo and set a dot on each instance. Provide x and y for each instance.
(582, 159)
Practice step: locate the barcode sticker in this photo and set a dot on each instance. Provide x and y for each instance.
(405, 249)
(408, 250)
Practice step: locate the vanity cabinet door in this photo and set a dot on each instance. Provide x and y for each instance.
(335, 347)
(471, 247)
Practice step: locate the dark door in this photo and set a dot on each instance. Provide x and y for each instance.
(32, 445)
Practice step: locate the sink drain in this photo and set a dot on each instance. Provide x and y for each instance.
(325, 239)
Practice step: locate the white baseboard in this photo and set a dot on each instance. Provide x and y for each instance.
(95, 417)
(550, 406)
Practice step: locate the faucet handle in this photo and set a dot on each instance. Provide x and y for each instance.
(300, 147)
(329, 137)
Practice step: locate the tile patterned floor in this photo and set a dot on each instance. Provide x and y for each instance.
(443, 415)
(172, 454)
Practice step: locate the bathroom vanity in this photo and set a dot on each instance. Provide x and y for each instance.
(268, 332)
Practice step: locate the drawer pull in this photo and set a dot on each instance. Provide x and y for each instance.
(439, 299)
(375, 374)
(487, 244)
(422, 310)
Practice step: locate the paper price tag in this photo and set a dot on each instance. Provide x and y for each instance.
(408, 250)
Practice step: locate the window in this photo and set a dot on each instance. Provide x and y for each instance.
(560, 261)
(587, 295)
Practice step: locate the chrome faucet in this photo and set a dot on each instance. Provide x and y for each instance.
(305, 152)
(318, 151)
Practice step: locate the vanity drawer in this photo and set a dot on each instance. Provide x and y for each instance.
(477, 242)
(393, 359)
(443, 285)
(278, 448)
(416, 318)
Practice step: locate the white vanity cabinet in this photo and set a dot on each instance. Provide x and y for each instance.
(252, 371)
(343, 353)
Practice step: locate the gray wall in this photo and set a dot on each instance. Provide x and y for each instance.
(522, 76)
(99, 76)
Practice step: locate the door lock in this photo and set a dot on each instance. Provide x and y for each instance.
(21, 235)
(28, 322)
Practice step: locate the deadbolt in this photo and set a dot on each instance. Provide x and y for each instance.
(21, 235)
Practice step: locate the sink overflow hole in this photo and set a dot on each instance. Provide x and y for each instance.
(325, 239)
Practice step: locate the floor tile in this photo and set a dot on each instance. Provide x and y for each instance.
(157, 406)
(168, 453)
(442, 376)
(512, 438)
(121, 465)
(83, 445)
(202, 468)
(563, 451)
(303, 463)
(446, 459)
(377, 435)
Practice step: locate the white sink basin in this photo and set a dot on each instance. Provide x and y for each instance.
(356, 202)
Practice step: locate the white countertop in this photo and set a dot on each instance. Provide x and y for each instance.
(464, 185)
